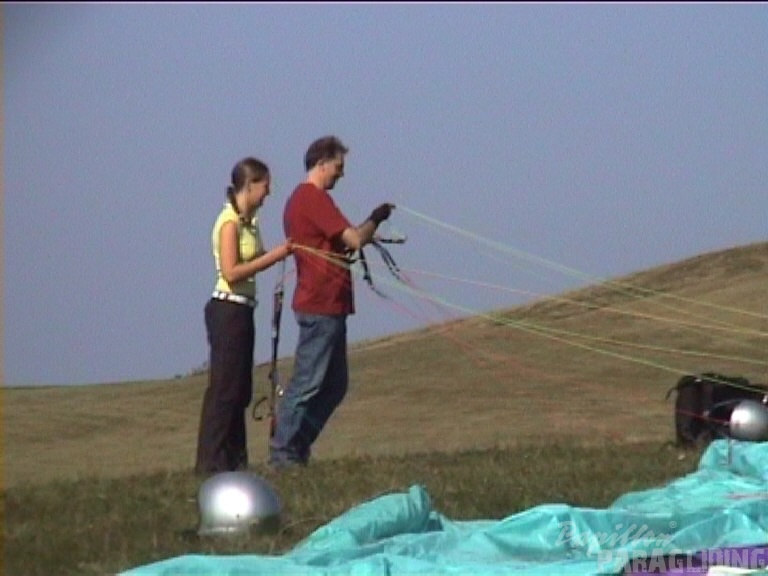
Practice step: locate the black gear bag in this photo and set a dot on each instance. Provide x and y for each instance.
(705, 402)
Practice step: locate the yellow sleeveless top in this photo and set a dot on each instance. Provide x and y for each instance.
(249, 246)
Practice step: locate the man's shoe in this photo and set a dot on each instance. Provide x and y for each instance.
(279, 465)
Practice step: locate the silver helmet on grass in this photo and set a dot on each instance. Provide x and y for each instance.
(749, 421)
(235, 503)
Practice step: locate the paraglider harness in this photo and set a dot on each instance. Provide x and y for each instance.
(704, 404)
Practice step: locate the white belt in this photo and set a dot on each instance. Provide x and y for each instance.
(239, 299)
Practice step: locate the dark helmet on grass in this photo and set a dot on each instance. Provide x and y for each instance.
(749, 421)
(235, 503)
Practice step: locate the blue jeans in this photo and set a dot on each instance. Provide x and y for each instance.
(318, 385)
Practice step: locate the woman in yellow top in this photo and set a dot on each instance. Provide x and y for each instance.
(238, 254)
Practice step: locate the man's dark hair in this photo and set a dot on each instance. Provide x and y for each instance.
(323, 148)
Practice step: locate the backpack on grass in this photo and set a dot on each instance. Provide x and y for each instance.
(705, 402)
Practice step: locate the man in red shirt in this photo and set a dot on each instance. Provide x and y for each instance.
(321, 236)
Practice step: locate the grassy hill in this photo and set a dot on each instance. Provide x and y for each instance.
(592, 365)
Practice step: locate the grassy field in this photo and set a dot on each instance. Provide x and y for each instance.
(559, 400)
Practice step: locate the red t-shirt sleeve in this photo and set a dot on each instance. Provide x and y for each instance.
(329, 219)
(312, 212)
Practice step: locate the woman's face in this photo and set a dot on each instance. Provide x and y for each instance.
(258, 191)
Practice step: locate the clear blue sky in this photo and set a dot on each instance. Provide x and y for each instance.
(604, 138)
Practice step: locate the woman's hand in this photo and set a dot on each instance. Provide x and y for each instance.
(286, 249)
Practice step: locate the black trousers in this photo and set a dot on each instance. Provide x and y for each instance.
(221, 444)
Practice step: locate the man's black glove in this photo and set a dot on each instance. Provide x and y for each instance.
(381, 213)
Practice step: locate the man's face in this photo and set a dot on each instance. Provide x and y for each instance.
(333, 170)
